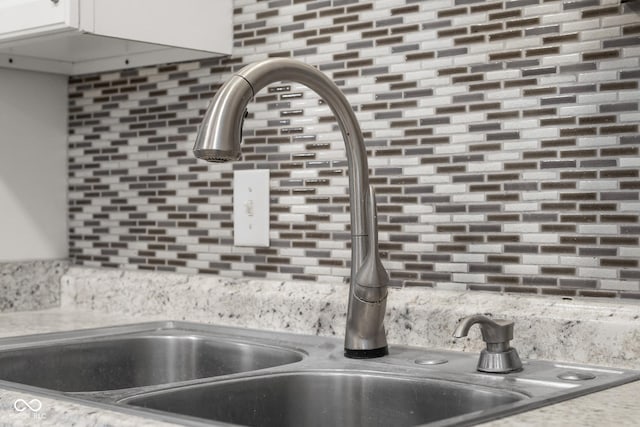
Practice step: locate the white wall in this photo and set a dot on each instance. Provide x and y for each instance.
(33, 166)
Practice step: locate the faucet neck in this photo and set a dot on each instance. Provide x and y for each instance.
(261, 74)
(365, 331)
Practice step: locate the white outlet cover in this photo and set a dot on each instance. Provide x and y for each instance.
(251, 208)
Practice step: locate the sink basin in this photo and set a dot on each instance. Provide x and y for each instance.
(134, 361)
(327, 399)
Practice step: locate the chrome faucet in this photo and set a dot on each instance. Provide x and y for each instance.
(499, 357)
(218, 140)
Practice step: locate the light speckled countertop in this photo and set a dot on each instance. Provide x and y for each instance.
(581, 331)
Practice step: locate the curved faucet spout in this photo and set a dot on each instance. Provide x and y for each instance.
(219, 138)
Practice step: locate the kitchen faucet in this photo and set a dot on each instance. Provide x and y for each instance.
(218, 140)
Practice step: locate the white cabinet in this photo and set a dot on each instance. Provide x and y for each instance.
(19, 18)
(83, 36)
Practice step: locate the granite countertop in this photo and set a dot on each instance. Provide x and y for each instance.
(614, 406)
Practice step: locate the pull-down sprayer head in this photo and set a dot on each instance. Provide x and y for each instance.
(220, 133)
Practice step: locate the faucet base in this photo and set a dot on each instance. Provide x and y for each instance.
(366, 354)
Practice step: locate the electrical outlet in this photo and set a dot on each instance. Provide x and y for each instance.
(251, 208)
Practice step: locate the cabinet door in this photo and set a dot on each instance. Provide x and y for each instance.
(24, 18)
(192, 24)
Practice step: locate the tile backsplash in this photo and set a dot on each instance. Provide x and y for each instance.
(502, 139)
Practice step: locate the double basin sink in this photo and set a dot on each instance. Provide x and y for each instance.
(194, 374)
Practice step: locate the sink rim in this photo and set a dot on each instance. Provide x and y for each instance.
(153, 328)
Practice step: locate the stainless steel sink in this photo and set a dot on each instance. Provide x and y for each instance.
(329, 398)
(136, 359)
(199, 375)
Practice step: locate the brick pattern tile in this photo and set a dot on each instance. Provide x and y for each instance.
(502, 139)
